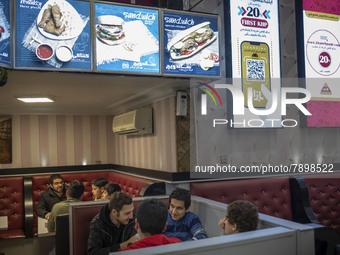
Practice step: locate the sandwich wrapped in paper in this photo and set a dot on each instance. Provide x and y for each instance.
(190, 41)
(110, 29)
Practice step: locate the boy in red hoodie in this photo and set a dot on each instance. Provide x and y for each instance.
(150, 223)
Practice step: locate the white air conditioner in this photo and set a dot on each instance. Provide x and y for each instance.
(137, 122)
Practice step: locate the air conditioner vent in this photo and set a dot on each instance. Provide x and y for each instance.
(138, 122)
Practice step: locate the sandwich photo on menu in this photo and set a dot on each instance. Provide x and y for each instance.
(190, 41)
(110, 29)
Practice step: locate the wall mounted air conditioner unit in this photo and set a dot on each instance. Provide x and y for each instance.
(136, 122)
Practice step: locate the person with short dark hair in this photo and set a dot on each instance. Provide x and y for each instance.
(109, 189)
(150, 222)
(242, 216)
(55, 193)
(73, 194)
(113, 228)
(182, 223)
(98, 187)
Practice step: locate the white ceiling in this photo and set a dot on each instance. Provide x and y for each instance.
(84, 93)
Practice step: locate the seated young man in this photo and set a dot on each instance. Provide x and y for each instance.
(109, 189)
(242, 216)
(55, 193)
(181, 223)
(113, 228)
(149, 223)
(98, 187)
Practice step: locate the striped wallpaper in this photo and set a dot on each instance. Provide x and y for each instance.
(64, 140)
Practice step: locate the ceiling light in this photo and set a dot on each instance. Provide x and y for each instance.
(35, 99)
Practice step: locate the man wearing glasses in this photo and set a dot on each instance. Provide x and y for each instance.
(54, 194)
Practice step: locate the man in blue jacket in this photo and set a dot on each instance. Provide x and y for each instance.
(181, 223)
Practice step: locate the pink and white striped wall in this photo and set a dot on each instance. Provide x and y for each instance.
(64, 140)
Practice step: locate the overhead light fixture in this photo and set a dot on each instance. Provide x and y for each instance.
(35, 99)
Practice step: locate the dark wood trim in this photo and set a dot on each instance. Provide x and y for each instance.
(142, 172)
(52, 169)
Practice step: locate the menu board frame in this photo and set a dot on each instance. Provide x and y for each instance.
(90, 65)
(15, 45)
(10, 52)
(94, 40)
(219, 40)
(321, 86)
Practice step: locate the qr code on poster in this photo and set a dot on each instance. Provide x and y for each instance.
(255, 70)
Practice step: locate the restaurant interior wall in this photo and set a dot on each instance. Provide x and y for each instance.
(66, 140)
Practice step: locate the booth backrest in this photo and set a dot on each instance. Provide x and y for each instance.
(62, 236)
(81, 217)
(271, 195)
(12, 206)
(134, 186)
(324, 195)
(260, 242)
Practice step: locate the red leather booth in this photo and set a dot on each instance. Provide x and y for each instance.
(324, 196)
(271, 195)
(134, 186)
(12, 206)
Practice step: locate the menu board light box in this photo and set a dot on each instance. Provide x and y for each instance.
(5, 33)
(53, 34)
(191, 44)
(255, 49)
(321, 23)
(127, 39)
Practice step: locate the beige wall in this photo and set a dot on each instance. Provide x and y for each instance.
(63, 140)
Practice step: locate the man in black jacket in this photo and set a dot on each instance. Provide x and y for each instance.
(113, 228)
(54, 194)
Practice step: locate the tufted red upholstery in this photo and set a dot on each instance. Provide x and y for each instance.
(12, 205)
(129, 184)
(324, 195)
(270, 195)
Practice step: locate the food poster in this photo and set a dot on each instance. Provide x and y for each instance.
(255, 49)
(53, 34)
(191, 44)
(127, 39)
(321, 22)
(5, 33)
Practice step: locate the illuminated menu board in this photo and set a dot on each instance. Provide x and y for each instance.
(255, 49)
(127, 39)
(321, 25)
(53, 34)
(5, 33)
(191, 44)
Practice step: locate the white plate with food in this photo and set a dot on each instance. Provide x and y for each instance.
(58, 20)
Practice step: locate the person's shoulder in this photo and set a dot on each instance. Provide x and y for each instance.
(46, 192)
(174, 239)
(96, 222)
(95, 218)
(57, 206)
(191, 215)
